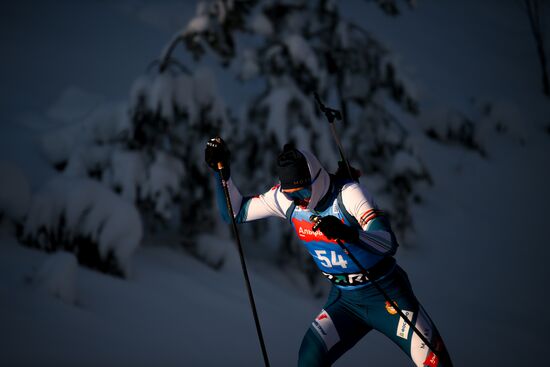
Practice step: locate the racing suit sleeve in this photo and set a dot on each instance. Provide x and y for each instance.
(247, 208)
(376, 233)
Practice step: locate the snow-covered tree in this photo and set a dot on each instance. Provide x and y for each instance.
(298, 48)
(173, 112)
(82, 216)
(149, 150)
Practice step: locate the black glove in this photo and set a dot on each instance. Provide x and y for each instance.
(216, 151)
(333, 228)
(343, 174)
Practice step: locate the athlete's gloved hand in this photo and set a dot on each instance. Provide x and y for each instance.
(333, 228)
(216, 151)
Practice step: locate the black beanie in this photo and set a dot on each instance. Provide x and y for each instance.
(292, 168)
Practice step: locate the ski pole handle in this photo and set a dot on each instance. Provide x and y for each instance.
(315, 219)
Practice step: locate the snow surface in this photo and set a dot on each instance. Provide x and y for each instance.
(58, 275)
(478, 262)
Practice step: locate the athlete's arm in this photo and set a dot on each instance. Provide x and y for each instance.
(376, 233)
(247, 208)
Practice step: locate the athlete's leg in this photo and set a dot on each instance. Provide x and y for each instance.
(386, 320)
(333, 332)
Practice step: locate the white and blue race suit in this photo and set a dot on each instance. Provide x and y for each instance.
(354, 307)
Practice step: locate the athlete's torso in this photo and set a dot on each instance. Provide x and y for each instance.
(329, 257)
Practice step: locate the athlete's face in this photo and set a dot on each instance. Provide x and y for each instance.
(300, 196)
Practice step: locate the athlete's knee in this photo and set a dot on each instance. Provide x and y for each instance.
(312, 352)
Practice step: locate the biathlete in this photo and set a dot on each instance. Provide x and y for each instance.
(324, 209)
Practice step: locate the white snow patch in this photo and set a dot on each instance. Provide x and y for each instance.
(405, 163)
(197, 25)
(249, 67)
(58, 276)
(140, 89)
(277, 103)
(301, 53)
(85, 158)
(127, 172)
(165, 177)
(261, 25)
(160, 95)
(59, 144)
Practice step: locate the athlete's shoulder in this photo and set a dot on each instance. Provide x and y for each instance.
(275, 198)
(357, 200)
(355, 190)
(275, 193)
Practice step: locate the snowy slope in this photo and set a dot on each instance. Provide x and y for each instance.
(174, 311)
(477, 261)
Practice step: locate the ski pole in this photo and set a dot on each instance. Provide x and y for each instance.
(446, 361)
(243, 265)
(332, 114)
